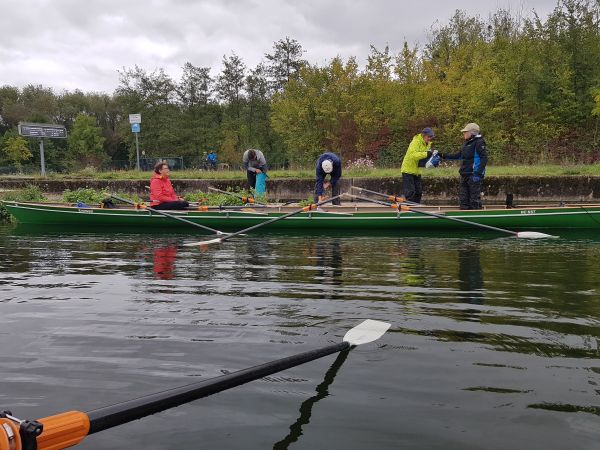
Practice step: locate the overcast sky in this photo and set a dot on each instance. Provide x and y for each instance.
(81, 44)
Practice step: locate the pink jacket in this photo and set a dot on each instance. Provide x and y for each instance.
(161, 190)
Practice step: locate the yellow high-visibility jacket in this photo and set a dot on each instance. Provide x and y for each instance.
(417, 150)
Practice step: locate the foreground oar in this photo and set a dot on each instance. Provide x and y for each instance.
(166, 214)
(268, 222)
(403, 207)
(69, 428)
(244, 198)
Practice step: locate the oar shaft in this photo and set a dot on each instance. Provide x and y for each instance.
(166, 214)
(110, 416)
(389, 197)
(467, 222)
(275, 219)
(441, 216)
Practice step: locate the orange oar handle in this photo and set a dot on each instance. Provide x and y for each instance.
(247, 199)
(63, 430)
(393, 198)
(9, 435)
(309, 207)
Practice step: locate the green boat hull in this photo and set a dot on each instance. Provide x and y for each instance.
(363, 219)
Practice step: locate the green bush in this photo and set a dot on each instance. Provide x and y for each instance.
(85, 195)
(217, 198)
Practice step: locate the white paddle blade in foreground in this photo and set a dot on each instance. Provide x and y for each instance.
(209, 242)
(534, 235)
(367, 331)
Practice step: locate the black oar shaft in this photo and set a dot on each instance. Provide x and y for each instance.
(110, 416)
(442, 216)
(166, 214)
(275, 219)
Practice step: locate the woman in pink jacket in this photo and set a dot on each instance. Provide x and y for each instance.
(162, 193)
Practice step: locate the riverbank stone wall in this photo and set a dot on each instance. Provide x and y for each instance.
(443, 190)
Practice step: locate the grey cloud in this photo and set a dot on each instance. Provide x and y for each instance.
(68, 44)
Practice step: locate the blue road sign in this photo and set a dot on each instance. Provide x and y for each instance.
(136, 127)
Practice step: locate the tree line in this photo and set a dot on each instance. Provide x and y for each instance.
(531, 83)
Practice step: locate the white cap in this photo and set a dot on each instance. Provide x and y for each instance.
(327, 166)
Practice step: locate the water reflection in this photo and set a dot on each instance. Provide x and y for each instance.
(307, 405)
(497, 329)
(164, 261)
(470, 274)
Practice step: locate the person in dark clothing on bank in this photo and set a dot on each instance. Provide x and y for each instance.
(473, 155)
(328, 164)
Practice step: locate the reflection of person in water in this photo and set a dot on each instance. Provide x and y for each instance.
(164, 262)
(470, 276)
(329, 260)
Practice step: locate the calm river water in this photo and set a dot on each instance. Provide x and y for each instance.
(493, 344)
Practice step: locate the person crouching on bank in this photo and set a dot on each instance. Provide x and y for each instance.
(328, 164)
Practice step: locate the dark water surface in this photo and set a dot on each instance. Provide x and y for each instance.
(494, 342)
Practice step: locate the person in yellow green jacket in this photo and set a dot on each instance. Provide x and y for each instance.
(418, 152)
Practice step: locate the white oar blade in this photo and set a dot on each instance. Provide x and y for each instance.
(196, 244)
(534, 235)
(367, 331)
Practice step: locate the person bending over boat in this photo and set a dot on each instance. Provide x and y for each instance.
(328, 164)
(416, 156)
(162, 194)
(474, 158)
(254, 162)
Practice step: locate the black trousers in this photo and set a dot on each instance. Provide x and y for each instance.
(412, 187)
(177, 204)
(469, 193)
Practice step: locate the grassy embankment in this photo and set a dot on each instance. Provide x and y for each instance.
(449, 170)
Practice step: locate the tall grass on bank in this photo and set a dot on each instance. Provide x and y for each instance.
(447, 169)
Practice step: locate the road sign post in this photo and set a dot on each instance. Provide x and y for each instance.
(42, 130)
(135, 120)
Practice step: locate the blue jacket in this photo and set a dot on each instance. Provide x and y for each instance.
(335, 175)
(212, 157)
(474, 158)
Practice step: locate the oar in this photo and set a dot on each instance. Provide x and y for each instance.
(244, 198)
(519, 234)
(198, 207)
(254, 227)
(391, 198)
(70, 428)
(166, 214)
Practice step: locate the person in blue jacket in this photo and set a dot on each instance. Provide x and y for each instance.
(328, 164)
(473, 155)
(211, 158)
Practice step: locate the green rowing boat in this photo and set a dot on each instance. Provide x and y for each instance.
(347, 217)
